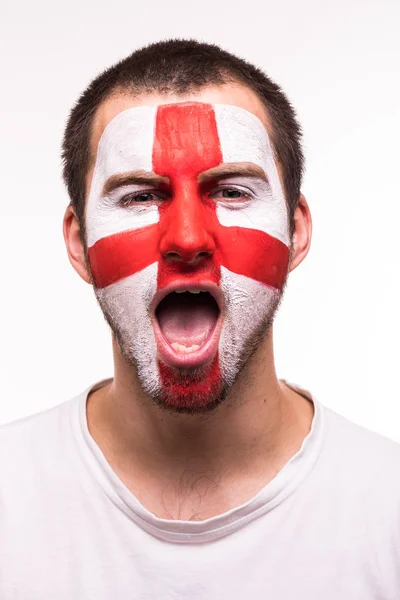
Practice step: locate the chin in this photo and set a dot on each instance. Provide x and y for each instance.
(191, 391)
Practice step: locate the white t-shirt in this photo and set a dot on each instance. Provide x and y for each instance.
(327, 527)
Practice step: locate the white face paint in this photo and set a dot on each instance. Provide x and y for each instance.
(126, 145)
(128, 236)
(126, 304)
(243, 139)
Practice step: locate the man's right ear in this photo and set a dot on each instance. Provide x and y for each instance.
(73, 242)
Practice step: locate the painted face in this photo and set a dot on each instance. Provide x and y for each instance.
(187, 234)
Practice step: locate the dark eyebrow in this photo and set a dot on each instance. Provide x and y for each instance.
(133, 178)
(232, 170)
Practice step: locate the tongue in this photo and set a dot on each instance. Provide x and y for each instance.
(186, 318)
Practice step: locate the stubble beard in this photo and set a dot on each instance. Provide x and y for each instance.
(197, 399)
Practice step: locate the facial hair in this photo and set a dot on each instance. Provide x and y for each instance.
(198, 399)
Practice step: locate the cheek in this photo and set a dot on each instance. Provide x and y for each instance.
(122, 255)
(248, 302)
(254, 254)
(127, 303)
(249, 307)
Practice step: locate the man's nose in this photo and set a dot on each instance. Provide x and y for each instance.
(187, 235)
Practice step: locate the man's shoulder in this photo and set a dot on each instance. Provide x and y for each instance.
(359, 438)
(33, 422)
(34, 439)
(39, 463)
(364, 459)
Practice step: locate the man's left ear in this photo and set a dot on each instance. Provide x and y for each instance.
(301, 239)
(73, 242)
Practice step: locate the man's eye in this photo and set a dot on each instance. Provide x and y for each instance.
(230, 194)
(138, 197)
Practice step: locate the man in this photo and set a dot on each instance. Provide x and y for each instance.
(194, 472)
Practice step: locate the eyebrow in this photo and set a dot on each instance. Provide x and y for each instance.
(232, 170)
(149, 178)
(133, 178)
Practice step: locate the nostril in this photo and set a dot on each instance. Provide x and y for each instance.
(203, 254)
(191, 259)
(172, 256)
(198, 257)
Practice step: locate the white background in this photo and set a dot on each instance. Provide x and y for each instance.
(338, 330)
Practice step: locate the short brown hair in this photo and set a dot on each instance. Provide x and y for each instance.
(180, 66)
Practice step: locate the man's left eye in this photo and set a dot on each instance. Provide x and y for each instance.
(230, 194)
(145, 197)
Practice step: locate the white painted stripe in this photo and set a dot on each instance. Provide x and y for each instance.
(248, 304)
(126, 145)
(127, 302)
(243, 138)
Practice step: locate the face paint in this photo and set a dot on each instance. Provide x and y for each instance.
(226, 235)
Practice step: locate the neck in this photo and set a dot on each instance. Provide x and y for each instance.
(252, 434)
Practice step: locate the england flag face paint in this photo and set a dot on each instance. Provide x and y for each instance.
(188, 244)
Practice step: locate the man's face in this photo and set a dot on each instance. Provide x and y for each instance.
(187, 237)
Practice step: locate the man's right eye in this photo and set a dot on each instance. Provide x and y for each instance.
(140, 197)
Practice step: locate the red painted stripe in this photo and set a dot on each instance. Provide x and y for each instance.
(186, 144)
(186, 140)
(244, 251)
(117, 256)
(182, 391)
(253, 253)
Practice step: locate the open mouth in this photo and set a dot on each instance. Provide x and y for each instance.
(187, 326)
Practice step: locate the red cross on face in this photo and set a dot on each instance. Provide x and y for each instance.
(186, 144)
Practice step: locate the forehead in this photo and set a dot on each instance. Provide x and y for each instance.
(182, 139)
(228, 94)
(187, 140)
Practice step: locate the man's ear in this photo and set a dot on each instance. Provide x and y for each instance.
(301, 239)
(73, 242)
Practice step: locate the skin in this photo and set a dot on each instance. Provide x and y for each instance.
(193, 467)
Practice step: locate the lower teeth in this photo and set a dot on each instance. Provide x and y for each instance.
(184, 349)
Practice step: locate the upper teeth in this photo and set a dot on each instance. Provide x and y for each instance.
(191, 291)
